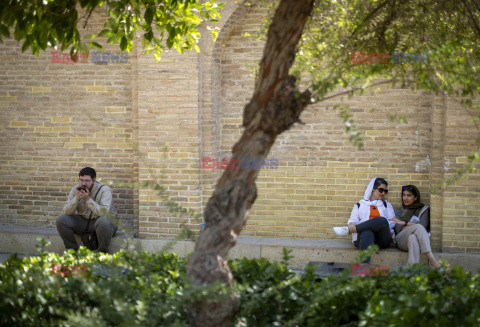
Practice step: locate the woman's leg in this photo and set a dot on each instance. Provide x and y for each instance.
(422, 236)
(413, 250)
(424, 241)
(416, 236)
(375, 230)
(380, 228)
(365, 239)
(407, 241)
(432, 260)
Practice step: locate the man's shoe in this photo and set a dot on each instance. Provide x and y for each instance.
(341, 231)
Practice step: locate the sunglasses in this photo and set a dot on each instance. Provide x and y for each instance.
(382, 190)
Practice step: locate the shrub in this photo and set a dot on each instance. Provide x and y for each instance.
(435, 299)
(156, 292)
(150, 295)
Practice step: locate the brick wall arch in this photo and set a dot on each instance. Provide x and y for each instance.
(320, 174)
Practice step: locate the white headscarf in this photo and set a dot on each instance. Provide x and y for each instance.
(368, 191)
(365, 210)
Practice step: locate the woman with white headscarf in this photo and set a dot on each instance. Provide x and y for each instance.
(369, 221)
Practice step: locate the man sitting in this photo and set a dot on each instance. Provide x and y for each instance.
(85, 211)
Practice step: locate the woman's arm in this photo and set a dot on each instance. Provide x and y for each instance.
(425, 218)
(354, 219)
(354, 216)
(399, 224)
(390, 215)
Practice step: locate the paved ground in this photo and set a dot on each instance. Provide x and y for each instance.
(5, 256)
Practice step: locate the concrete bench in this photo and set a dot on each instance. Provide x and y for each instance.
(22, 240)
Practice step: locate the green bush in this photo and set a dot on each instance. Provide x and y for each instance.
(434, 299)
(156, 292)
(150, 295)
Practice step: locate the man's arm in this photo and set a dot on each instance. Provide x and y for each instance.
(70, 205)
(104, 200)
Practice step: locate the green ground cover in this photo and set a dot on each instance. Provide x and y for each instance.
(151, 289)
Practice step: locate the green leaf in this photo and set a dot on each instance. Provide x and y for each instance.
(112, 39)
(26, 45)
(123, 43)
(103, 32)
(214, 35)
(4, 30)
(149, 15)
(95, 45)
(149, 36)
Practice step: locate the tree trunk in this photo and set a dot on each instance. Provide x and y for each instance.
(274, 108)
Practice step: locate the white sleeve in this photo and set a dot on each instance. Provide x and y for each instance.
(390, 211)
(390, 214)
(354, 217)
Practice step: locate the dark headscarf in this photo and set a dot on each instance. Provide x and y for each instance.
(414, 208)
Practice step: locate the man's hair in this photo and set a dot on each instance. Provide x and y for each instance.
(379, 181)
(88, 171)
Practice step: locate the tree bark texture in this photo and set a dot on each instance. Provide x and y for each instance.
(274, 108)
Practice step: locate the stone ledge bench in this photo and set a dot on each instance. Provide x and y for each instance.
(23, 240)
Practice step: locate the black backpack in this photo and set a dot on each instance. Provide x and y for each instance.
(384, 203)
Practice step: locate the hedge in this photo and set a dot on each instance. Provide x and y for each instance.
(151, 289)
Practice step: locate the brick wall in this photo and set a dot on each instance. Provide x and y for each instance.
(461, 205)
(57, 118)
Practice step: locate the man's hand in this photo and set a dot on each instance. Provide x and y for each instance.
(352, 228)
(82, 194)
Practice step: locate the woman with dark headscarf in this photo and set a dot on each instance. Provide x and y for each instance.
(413, 226)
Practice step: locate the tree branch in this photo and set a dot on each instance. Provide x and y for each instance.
(88, 17)
(279, 52)
(369, 16)
(472, 18)
(356, 89)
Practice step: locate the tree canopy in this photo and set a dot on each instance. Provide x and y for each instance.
(445, 32)
(47, 23)
(427, 45)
